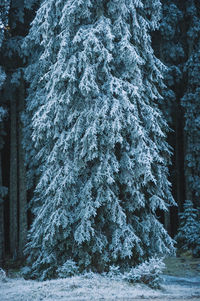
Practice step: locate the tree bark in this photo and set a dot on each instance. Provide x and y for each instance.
(21, 176)
(167, 221)
(2, 242)
(13, 180)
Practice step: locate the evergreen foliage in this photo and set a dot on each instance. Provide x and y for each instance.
(189, 231)
(172, 53)
(4, 8)
(97, 140)
(30, 4)
(191, 103)
(188, 236)
(69, 268)
(180, 51)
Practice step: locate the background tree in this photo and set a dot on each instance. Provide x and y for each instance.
(188, 236)
(191, 105)
(177, 45)
(15, 26)
(98, 136)
(4, 8)
(170, 47)
(17, 198)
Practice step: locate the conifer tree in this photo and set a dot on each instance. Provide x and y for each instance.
(4, 8)
(14, 26)
(173, 53)
(179, 49)
(188, 236)
(3, 189)
(95, 136)
(191, 105)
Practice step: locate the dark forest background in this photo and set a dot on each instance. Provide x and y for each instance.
(176, 44)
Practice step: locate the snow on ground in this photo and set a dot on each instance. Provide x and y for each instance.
(95, 287)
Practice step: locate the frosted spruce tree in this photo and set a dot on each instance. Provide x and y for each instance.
(188, 236)
(95, 137)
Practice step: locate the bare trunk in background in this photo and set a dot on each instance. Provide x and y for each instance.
(2, 242)
(13, 193)
(21, 176)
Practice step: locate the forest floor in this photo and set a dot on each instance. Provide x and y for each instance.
(181, 281)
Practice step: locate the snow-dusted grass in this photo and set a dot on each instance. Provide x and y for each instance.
(2, 275)
(94, 287)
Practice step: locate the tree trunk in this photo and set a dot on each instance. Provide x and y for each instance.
(13, 181)
(21, 176)
(167, 221)
(2, 242)
(188, 170)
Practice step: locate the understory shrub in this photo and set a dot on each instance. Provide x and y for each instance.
(188, 237)
(69, 268)
(148, 273)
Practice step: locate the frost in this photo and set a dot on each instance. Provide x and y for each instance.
(188, 236)
(96, 141)
(148, 272)
(2, 275)
(95, 287)
(69, 268)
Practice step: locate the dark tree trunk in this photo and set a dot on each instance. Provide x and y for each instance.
(2, 242)
(167, 221)
(21, 176)
(13, 180)
(179, 157)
